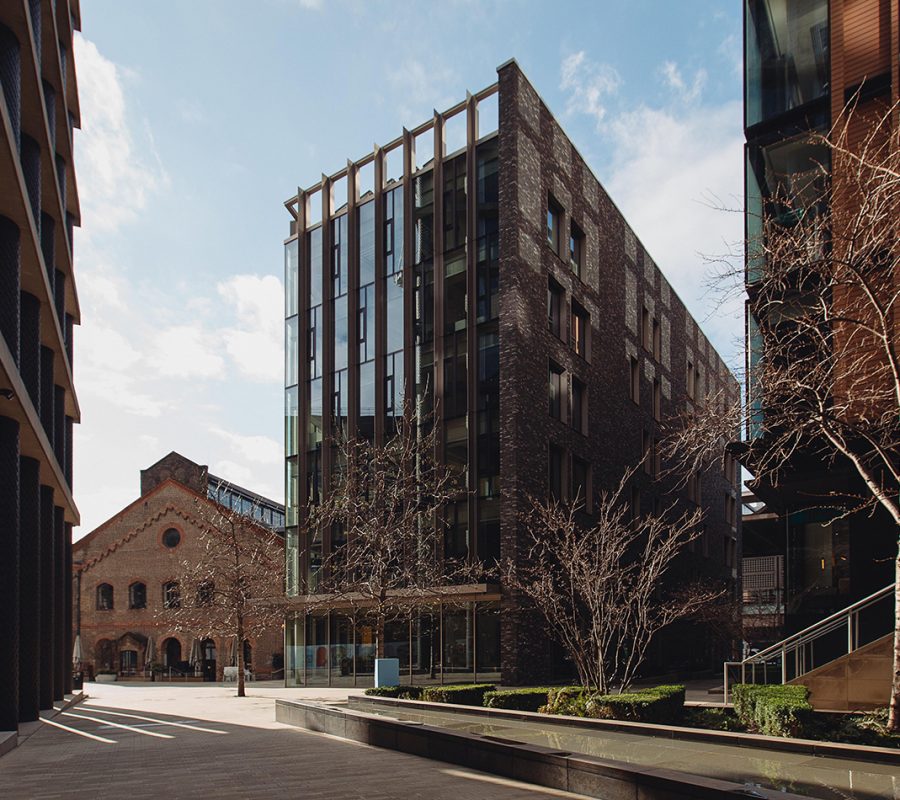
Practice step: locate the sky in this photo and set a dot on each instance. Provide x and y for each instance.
(199, 118)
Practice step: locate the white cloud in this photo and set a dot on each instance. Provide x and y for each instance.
(673, 171)
(588, 83)
(259, 449)
(186, 351)
(673, 77)
(114, 178)
(255, 343)
(421, 86)
(311, 5)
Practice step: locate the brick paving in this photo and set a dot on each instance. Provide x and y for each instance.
(256, 757)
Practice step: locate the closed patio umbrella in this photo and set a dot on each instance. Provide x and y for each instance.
(195, 654)
(76, 651)
(149, 652)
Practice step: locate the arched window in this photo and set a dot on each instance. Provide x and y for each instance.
(104, 597)
(171, 595)
(171, 538)
(171, 649)
(137, 595)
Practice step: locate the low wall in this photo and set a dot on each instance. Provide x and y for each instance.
(543, 766)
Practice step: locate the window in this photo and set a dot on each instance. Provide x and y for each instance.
(646, 456)
(554, 308)
(657, 340)
(171, 538)
(730, 549)
(576, 248)
(137, 595)
(579, 406)
(104, 597)
(205, 593)
(555, 472)
(581, 325)
(581, 485)
(554, 218)
(634, 378)
(171, 595)
(693, 488)
(646, 329)
(730, 507)
(657, 399)
(556, 383)
(690, 379)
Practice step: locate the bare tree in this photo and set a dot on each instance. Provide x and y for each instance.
(235, 587)
(824, 297)
(385, 512)
(601, 586)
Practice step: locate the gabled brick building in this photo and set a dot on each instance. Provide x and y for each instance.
(125, 571)
(501, 285)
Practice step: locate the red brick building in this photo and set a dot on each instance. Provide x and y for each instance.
(125, 574)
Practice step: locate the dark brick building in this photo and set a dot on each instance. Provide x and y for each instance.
(38, 311)
(493, 277)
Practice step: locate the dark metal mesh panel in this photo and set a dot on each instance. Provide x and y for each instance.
(67, 468)
(61, 659)
(47, 605)
(9, 285)
(50, 105)
(9, 574)
(48, 246)
(61, 177)
(11, 77)
(30, 588)
(31, 168)
(34, 6)
(47, 392)
(59, 424)
(30, 347)
(59, 296)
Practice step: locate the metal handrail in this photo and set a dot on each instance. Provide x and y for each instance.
(820, 628)
(797, 642)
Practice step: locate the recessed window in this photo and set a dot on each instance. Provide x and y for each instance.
(104, 597)
(205, 593)
(581, 324)
(634, 378)
(657, 399)
(555, 476)
(576, 248)
(646, 329)
(556, 385)
(657, 340)
(554, 220)
(555, 296)
(137, 595)
(581, 482)
(171, 538)
(646, 452)
(579, 406)
(690, 379)
(171, 595)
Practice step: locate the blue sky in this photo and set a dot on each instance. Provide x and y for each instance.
(200, 117)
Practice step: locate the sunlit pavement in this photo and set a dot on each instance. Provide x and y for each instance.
(199, 740)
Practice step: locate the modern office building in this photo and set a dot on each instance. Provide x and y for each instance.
(125, 576)
(38, 311)
(476, 260)
(804, 60)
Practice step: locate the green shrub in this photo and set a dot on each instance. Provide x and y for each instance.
(466, 694)
(570, 701)
(661, 705)
(773, 710)
(401, 692)
(517, 699)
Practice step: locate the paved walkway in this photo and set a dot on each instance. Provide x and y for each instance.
(199, 740)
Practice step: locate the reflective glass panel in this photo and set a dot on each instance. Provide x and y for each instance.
(291, 354)
(315, 267)
(290, 278)
(291, 412)
(366, 243)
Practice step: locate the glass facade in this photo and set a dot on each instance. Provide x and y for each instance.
(456, 643)
(787, 59)
(366, 296)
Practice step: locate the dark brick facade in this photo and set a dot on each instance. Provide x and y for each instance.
(537, 162)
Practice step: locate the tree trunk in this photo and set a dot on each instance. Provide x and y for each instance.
(894, 716)
(240, 658)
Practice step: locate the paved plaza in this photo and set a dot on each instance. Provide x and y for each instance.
(199, 740)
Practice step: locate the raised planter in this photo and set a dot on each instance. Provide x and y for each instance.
(102, 678)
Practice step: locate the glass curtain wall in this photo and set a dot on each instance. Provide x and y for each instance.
(449, 643)
(393, 294)
(291, 412)
(367, 318)
(314, 432)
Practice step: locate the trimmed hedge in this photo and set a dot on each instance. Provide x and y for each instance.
(662, 705)
(401, 692)
(773, 710)
(517, 699)
(466, 694)
(568, 700)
